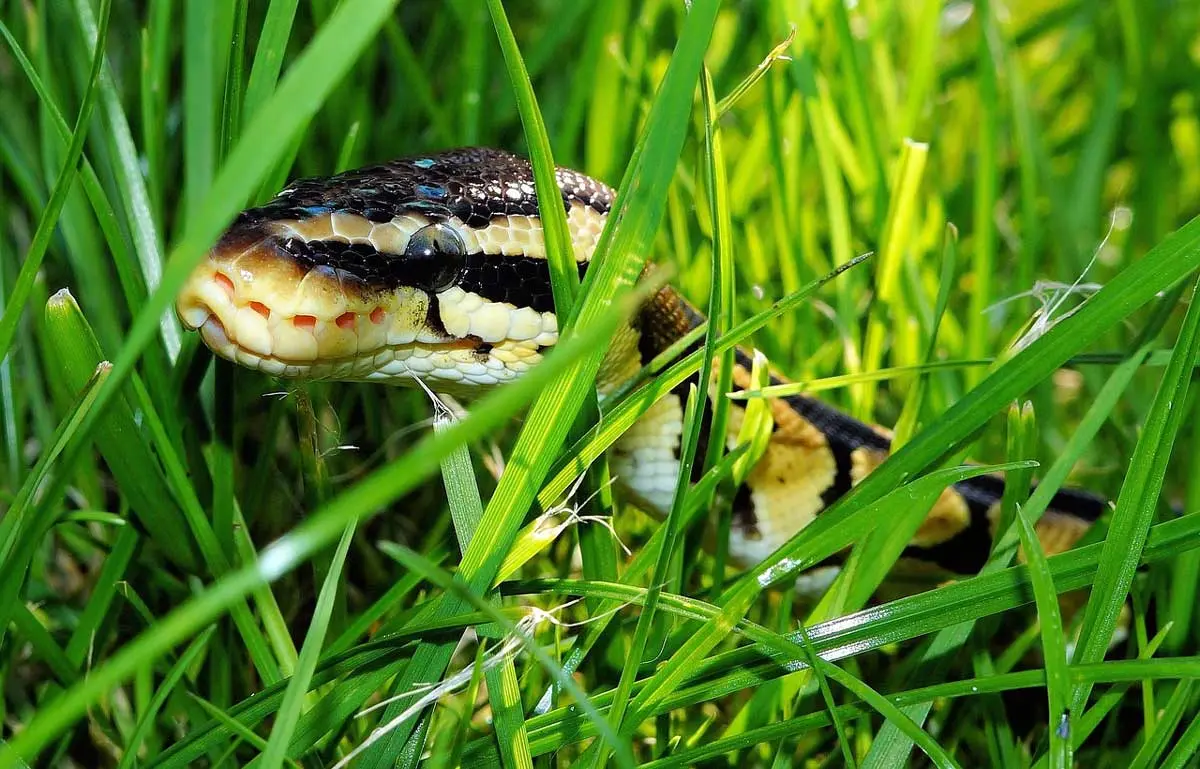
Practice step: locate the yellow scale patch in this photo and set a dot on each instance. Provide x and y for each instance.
(514, 235)
(787, 482)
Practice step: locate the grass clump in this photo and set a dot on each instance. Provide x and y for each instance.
(199, 566)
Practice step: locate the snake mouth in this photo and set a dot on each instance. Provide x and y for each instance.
(255, 306)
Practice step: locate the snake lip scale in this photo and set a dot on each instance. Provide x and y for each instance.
(434, 268)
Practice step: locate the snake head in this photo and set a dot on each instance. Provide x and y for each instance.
(430, 268)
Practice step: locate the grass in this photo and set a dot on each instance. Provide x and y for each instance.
(195, 571)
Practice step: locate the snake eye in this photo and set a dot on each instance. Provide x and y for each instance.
(434, 257)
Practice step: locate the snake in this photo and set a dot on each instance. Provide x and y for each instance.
(432, 270)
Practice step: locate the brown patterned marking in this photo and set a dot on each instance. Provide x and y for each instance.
(1057, 531)
(661, 321)
(864, 460)
(622, 361)
(948, 516)
(785, 485)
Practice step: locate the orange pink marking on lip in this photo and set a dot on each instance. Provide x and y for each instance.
(263, 313)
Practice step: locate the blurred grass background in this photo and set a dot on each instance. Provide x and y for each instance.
(1060, 139)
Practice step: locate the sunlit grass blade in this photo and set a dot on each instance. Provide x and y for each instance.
(32, 262)
(983, 259)
(721, 298)
(897, 248)
(293, 698)
(1137, 501)
(1054, 644)
(564, 274)
(170, 681)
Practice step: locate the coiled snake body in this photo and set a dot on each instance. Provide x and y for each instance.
(434, 267)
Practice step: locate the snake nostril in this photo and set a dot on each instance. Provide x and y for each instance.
(261, 309)
(346, 321)
(225, 282)
(378, 316)
(308, 322)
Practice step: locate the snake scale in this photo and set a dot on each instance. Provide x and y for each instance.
(434, 268)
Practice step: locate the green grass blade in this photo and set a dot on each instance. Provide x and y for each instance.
(1185, 749)
(21, 528)
(170, 681)
(75, 355)
(293, 698)
(167, 507)
(1181, 701)
(268, 55)
(1054, 644)
(438, 576)
(1137, 501)
(564, 274)
(132, 186)
(200, 100)
(19, 296)
(466, 510)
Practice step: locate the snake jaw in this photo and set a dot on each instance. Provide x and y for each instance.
(262, 311)
(254, 306)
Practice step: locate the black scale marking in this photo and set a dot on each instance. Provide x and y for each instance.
(473, 185)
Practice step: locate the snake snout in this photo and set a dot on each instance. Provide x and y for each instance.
(256, 308)
(255, 304)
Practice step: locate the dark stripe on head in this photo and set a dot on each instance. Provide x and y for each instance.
(522, 281)
(433, 316)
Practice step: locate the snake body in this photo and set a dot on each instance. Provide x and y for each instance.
(434, 268)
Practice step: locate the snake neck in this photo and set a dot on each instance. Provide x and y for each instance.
(664, 319)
